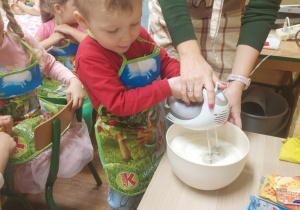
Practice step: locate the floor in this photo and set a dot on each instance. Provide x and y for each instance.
(77, 193)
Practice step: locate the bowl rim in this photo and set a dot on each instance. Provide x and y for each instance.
(236, 161)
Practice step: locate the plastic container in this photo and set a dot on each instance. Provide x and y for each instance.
(269, 117)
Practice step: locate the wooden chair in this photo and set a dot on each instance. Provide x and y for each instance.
(44, 134)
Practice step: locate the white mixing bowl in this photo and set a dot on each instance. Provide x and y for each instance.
(203, 176)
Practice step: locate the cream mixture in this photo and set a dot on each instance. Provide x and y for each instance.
(202, 150)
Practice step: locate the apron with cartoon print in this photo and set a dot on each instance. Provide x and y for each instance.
(131, 147)
(65, 53)
(53, 93)
(18, 98)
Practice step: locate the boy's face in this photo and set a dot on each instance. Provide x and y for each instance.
(115, 31)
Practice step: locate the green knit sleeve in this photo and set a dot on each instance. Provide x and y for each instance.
(178, 20)
(257, 22)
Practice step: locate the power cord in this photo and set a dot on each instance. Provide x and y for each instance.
(286, 26)
(296, 38)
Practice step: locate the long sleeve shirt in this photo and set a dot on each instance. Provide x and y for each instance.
(98, 69)
(13, 57)
(256, 21)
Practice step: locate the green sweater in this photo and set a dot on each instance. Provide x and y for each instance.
(257, 21)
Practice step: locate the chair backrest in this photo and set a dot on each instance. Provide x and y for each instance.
(43, 133)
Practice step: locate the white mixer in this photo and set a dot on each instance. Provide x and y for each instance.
(198, 116)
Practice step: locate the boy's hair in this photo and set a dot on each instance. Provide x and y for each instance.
(47, 8)
(84, 7)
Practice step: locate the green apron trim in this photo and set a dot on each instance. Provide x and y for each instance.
(33, 60)
(35, 153)
(155, 52)
(67, 45)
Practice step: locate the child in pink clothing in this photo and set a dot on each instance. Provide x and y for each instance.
(21, 60)
(25, 7)
(58, 23)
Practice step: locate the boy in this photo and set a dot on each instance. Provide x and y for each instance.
(119, 65)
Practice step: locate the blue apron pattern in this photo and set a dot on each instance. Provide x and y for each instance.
(20, 82)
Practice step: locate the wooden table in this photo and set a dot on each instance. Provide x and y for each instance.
(287, 58)
(167, 192)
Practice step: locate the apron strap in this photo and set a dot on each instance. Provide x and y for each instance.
(24, 43)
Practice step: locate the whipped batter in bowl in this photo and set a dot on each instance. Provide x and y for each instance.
(195, 148)
(197, 166)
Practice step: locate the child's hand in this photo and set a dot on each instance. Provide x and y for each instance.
(64, 28)
(175, 87)
(6, 122)
(7, 142)
(56, 37)
(76, 92)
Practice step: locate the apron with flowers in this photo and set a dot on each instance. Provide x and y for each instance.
(131, 147)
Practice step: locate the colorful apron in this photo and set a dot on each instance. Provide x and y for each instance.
(53, 90)
(131, 147)
(64, 53)
(18, 96)
(19, 99)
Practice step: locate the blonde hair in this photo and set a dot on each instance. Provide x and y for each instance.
(12, 25)
(47, 8)
(15, 28)
(84, 7)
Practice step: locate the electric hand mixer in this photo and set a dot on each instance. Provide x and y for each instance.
(198, 116)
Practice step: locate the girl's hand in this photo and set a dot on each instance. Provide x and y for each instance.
(64, 28)
(76, 92)
(56, 37)
(234, 94)
(6, 122)
(7, 142)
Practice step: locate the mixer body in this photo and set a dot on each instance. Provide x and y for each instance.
(198, 116)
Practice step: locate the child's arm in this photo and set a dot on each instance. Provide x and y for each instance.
(28, 10)
(104, 86)
(16, 9)
(76, 92)
(52, 40)
(69, 30)
(7, 145)
(175, 86)
(59, 72)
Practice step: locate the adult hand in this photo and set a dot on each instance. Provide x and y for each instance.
(234, 94)
(196, 74)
